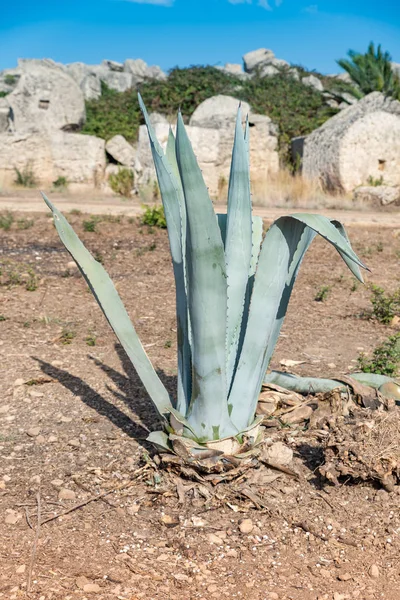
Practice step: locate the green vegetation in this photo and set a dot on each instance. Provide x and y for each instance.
(25, 223)
(3, 318)
(294, 107)
(4, 94)
(154, 217)
(91, 340)
(14, 273)
(67, 335)
(322, 293)
(385, 358)
(6, 220)
(122, 182)
(25, 177)
(385, 306)
(61, 183)
(371, 72)
(90, 225)
(10, 79)
(375, 182)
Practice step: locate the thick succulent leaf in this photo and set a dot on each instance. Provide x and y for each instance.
(175, 215)
(109, 301)
(161, 440)
(238, 244)
(207, 297)
(315, 385)
(247, 137)
(222, 220)
(282, 252)
(354, 268)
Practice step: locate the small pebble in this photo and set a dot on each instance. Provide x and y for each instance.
(214, 539)
(20, 569)
(374, 571)
(65, 494)
(246, 526)
(91, 588)
(33, 432)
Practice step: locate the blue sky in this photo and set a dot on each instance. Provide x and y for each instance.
(184, 32)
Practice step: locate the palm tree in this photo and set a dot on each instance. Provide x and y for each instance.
(371, 72)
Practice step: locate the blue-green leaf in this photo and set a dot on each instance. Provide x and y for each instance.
(110, 303)
(238, 244)
(282, 252)
(207, 296)
(175, 215)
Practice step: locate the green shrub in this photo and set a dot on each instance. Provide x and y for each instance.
(10, 79)
(375, 182)
(90, 225)
(294, 107)
(385, 306)
(6, 220)
(122, 182)
(385, 358)
(322, 293)
(25, 223)
(61, 183)
(154, 216)
(25, 177)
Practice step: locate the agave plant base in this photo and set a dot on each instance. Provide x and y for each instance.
(231, 455)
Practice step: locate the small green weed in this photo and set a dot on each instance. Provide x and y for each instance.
(152, 247)
(10, 79)
(25, 177)
(385, 306)
(6, 220)
(61, 183)
(375, 182)
(168, 344)
(75, 211)
(154, 216)
(122, 182)
(385, 358)
(322, 293)
(91, 340)
(67, 336)
(3, 318)
(25, 223)
(90, 225)
(354, 286)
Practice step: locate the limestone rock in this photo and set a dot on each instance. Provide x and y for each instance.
(211, 132)
(46, 98)
(121, 151)
(314, 82)
(218, 111)
(5, 115)
(79, 158)
(264, 62)
(376, 196)
(256, 59)
(360, 142)
(112, 65)
(91, 86)
(116, 80)
(9, 79)
(140, 71)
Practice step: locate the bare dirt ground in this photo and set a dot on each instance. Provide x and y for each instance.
(74, 417)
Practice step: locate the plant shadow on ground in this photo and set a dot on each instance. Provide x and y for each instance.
(128, 385)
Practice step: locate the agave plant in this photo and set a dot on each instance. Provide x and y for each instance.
(233, 285)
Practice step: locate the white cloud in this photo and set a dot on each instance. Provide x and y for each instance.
(156, 2)
(262, 3)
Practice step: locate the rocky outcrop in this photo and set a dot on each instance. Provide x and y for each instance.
(117, 76)
(211, 132)
(314, 82)
(5, 115)
(45, 98)
(217, 112)
(376, 196)
(121, 151)
(263, 62)
(49, 155)
(361, 142)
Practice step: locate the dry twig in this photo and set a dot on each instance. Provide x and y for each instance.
(35, 543)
